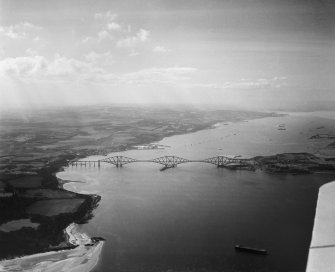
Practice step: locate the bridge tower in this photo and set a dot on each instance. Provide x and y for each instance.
(118, 161)
(170, 161)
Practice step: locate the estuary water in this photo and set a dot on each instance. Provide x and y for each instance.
(189, 218)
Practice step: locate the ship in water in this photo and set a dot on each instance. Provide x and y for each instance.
(251, 249)
(281, 127)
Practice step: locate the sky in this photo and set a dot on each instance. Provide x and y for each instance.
(244, 53)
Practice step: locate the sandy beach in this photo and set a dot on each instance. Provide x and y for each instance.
(83, 257)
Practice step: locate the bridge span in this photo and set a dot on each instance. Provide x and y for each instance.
(167, 161)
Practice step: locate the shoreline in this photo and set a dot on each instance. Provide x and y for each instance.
(141, 141)
(48, 172)
(84, 255)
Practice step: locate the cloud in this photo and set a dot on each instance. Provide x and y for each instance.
(105, 16)
(18, 31)
(2, 53)
(31, 52)
(22, 66)
(38, 68)
(37, 39)
(102, 58)
(94, 69)
(109, 20)
(27, 25)
(130, 42)
(275, 82)
(143, 35)
(103, 35)
(160, 49)
(108, 27)
(114, 26)
(133, 53)
(170, 75)
(69, 67)
(242, 84)
(86, 39)
(10, 33)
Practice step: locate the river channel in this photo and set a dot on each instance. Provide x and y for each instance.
(189, 218)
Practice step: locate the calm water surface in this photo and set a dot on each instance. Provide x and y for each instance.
(189, 218)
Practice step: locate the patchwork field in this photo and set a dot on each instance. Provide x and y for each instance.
(54, 207)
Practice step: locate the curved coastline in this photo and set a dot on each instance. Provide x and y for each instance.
(61, 182)
(50, 180)
(295, 172)
(82, 256)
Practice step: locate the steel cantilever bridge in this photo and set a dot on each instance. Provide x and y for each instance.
(166, 161)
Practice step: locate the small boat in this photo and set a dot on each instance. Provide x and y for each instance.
(251, 249)
(281, 127)
(167, 167)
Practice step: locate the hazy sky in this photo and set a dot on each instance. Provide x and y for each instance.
(246, 53)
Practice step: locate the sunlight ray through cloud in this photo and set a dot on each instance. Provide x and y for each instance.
(157, 47)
